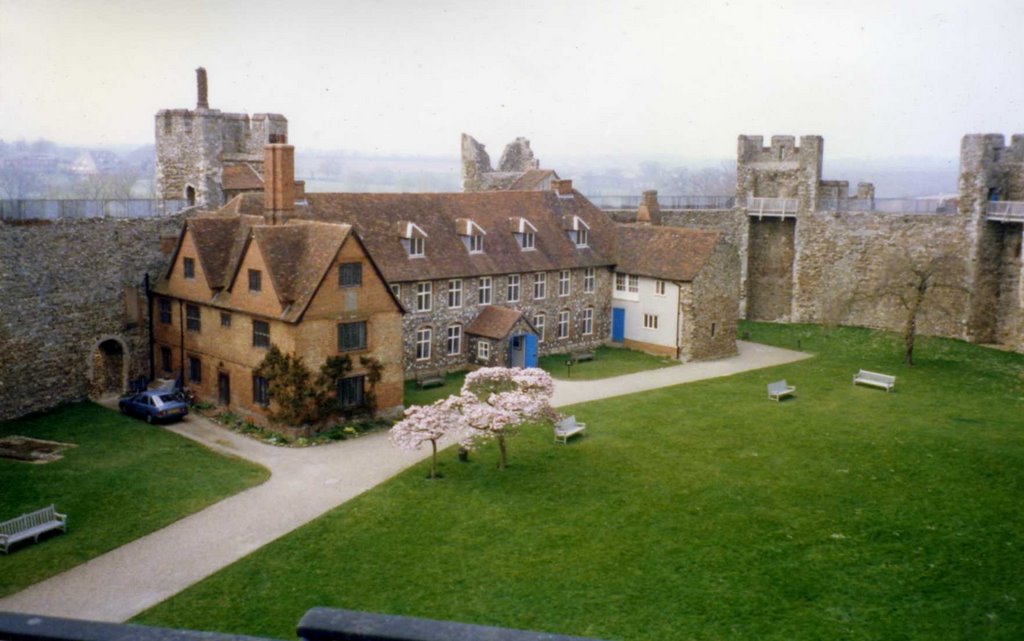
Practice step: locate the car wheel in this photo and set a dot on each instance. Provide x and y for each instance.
(149, 418)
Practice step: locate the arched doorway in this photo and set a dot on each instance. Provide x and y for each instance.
(109, 371)
(190, 195)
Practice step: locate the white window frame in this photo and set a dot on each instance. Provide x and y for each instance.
(634, 284)
(424, 292)
(563, 324)
(651, 321)
(396, 289)
(529, 241)
(454, 340)
(564, 282)
(588, 321)
(540, 286)
(512, 284)
(483, 290)
(455, 293)
(476, 244)
(659, 288)
(483, 350)
(583, 236)
(417, 247)
(620, 282)
(588, 280)
(539, 321)
(424, 336)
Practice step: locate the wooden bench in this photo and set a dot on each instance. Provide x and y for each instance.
(568, 427)
(582, 356)
(779, 389)
(30, 526)
(875, 379)
(429, 379)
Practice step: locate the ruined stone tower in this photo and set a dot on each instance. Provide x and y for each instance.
(517, 170)
(195, 146)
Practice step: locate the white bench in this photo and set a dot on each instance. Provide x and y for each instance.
(567, 427)
(875, 379)
(778, 389)
(30, 526)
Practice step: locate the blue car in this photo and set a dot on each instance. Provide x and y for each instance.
(154, 405)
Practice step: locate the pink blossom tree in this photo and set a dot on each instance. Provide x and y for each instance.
(423, 423)
(496, 401)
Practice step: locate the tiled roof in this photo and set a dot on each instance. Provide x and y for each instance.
(669, 253)
(531, 179)
(376, 217)
(219, 241)
(241, 177)
(494, 321)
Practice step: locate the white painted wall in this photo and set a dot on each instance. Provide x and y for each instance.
(666, 308)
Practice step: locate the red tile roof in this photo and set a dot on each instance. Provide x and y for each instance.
(668, 253)
(494, 321)
(241, 177)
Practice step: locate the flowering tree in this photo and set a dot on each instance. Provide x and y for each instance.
(423, 423)
(495, 401)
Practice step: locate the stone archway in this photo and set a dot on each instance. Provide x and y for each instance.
(108, 367)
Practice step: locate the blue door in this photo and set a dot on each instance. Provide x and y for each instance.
(618, 324)
(531, 351)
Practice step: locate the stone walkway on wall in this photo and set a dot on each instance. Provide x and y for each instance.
(304, 484)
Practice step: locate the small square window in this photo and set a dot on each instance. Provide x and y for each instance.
(351, 336)
(255, 280)
(416, 247)
(483, 350)
(225, 319)
(350, 275)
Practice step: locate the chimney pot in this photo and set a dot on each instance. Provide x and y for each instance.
(201, 101)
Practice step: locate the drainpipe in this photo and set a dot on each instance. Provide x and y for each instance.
(149, 324)
(181, 332)
(679, 320)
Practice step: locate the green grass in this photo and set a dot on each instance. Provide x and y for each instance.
(703, 511)
(608, 361)
(123, 480)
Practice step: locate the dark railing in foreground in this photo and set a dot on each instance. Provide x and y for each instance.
(62, 208)
(318, 624)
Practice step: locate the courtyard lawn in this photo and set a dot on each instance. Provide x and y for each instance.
(608, 361)
(123, 480)
(703, 511)
(416, 396)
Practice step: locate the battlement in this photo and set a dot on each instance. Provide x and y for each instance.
(751, 149)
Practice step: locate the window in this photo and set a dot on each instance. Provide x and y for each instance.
(423, 338)
(484, 290)
(659, 288)
(512, 290)
(634, 283)
(193, 320)
(582, 236)
(188, 265)
(455, 293)
(476, 244)
(650, 321)
(350, 391)
(588, 321)
(225, 319)
(416, 247)
(165, 359)
(483, 350)
(351, 336)
(712, 330)
(424, 294)
(454, 340)
(165, 310)
(588, 281)
(563, 282)
(260, 333)
(350, 275)
(396, 289)
(540, 286)
(195, 370)
(527, 241)
(538, 324)
(620, 282)
(627, 283)
(563, 324)
(260, 391)
(255, 280)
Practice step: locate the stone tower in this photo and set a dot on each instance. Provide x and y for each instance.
(194, 146)
(517, 162)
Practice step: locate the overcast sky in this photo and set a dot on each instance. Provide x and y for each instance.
(590, 78)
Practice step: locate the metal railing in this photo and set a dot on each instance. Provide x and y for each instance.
(890, 205)
(772, 207)
(318, 624)
(1005, 211)
(55, 209)
(668, 202)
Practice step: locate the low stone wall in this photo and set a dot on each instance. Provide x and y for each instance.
(67, 286)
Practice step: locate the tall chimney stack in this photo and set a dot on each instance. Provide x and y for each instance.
(650, 211)
(278, 175)
(201, 102)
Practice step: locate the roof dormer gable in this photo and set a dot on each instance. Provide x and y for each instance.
(413, 238)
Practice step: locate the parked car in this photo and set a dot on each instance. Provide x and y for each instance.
(154, 405)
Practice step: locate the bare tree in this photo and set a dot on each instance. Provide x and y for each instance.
(16, 182)
(915, 282)
(838, 293)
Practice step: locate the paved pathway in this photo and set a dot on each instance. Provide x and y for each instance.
(304, 484)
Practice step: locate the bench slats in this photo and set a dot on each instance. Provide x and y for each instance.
(30, 526)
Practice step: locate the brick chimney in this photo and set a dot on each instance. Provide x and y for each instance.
(649, 211)
(201, 101)
(562, 187)
(278, 175)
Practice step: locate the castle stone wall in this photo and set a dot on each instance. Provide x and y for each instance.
(65, 287)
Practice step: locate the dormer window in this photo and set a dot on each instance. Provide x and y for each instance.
(525, 233)
(582, 237)
(577, 230)
(413, 239)
(472, 235)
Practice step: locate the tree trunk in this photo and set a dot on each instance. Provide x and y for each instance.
(433, 459)
(910, 329)
(501, 447)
